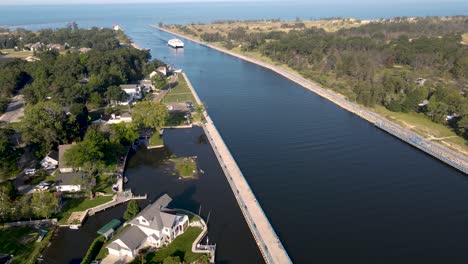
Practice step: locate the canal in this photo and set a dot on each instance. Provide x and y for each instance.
(334, 187)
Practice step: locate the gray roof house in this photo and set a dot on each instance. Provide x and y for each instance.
(71, 182)
(155, 226)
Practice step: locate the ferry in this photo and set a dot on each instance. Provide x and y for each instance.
(175, 43)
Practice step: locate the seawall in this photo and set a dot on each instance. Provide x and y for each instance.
(267, 240)
(444, 154)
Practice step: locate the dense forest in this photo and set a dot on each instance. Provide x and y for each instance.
(60, 88)
(378, 63)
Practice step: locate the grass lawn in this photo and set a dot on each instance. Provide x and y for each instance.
(156, 140)
(16, 54)
(181, 247)
(104, 183)
(21, 242)
(422, 125)
(176, 120)
(186, 167)
(180, 93)
(81, 204)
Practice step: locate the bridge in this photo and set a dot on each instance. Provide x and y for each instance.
(265, 236)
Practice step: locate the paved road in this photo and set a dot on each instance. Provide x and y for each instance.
(14, 111)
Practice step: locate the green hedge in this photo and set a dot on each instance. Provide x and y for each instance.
(93, 250)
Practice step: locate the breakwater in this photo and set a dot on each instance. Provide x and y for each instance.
(442, 153)
(267, 240)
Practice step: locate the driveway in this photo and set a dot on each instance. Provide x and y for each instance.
(15, 110)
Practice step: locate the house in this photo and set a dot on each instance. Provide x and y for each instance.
(58, 47)
(72, 182)
(146, 85)
(162, 70)
(133, 90)
(125, 117)
(38, 46)
(51, 160)
(155, 226)
(61, 161)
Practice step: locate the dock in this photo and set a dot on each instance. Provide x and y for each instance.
(265, 236)
(119, 198)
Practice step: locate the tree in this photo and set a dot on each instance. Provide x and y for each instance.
(159, 81)
(91, 149)
(5, 203)
(150, 115)
(44, 204)
(132, 210)
(24, 208)
(123, 133)
(44, 124)
(8, 155)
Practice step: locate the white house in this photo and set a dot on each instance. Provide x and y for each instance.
(133, 90)
(70, 182)
(61, 161)
(125, 117)
(155, 226)
(51, 160)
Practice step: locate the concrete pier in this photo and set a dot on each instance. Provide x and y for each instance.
(267, 240)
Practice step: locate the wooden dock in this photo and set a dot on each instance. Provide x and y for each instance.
(118, 199)
(267, 240)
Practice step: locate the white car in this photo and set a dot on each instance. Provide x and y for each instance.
(29, 171)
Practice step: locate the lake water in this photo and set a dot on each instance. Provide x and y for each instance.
(335, 188)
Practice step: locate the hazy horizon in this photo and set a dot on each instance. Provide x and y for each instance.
(87, 2)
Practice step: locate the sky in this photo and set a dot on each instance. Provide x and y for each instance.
(63, 2)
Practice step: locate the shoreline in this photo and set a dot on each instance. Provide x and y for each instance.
(268, 242)
(438, 151)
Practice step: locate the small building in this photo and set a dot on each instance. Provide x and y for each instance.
(115, 118)
(133, 90)
(108, 229)
(58, 47)
(162, 70)
(155, 226)
(61, 160)
(50, 161)
(421, 81)
(146, 85)
(71, 182)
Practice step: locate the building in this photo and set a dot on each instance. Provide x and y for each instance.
(58, 47)
(50, 161)
(132, 90)
(115, 118)
(155, 226)
(421, 81)
(72, 182)
(61, 160)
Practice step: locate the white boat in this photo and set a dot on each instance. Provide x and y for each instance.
(175, 43)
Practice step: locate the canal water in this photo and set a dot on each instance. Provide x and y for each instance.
(148, 173)
(334, 187)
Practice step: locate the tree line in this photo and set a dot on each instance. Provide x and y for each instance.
(377, 63)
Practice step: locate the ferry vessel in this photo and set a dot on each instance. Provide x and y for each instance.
(175, 43)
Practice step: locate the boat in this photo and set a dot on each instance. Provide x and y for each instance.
(74, 227)
(175, 43)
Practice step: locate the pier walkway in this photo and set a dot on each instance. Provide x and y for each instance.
(267, 240)
(119, 198)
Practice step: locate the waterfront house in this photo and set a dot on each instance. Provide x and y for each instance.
(72, 182)
(50, 161)
(61, 161)
(155, 226)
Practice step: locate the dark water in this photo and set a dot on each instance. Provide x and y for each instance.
(148, 173)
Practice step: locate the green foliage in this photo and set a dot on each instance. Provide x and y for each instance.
(132, 210)
(123, 133)
(159, 81)
(185, 166)
(93, 250)
(156, 140)
(149, 114)
(8, 155)
(44, 204)
(172, 260)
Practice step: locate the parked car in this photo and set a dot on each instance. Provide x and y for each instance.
(29, 171)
